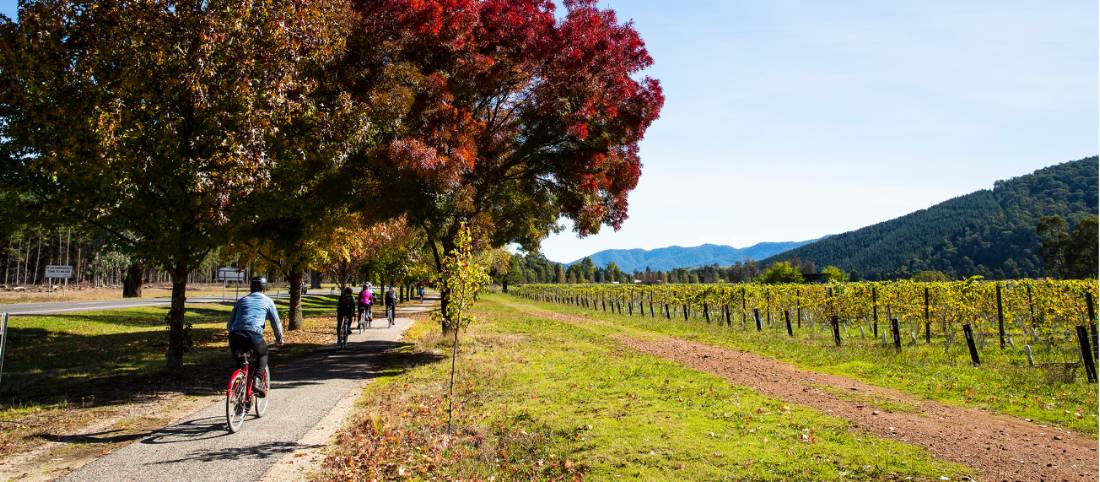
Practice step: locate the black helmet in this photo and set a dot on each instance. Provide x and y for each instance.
(347, 290)
(258, 283)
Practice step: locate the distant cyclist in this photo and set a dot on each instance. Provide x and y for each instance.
(391, 304)
(366, 300)
(246, 329)
(345, 311)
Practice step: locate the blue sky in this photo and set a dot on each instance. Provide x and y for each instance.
(789, 120)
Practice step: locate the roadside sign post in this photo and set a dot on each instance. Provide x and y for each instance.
(3, 340)
(228, 274)
(57, 272)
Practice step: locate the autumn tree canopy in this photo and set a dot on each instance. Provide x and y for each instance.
(518, 118)
(150, 119)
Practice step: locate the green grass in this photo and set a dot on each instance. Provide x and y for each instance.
(106, 356)
(544, 399)
(1003, 383)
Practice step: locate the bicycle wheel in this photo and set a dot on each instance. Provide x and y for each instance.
(236, 405)
(261, 402)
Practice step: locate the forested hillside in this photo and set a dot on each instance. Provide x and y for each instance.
(988, 232)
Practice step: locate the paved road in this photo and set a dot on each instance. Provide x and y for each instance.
(200, 448)
(55, 307)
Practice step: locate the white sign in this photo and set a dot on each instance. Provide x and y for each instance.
(59, 272)
(230, 274)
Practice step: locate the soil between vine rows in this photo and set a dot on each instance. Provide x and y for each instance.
(998, 446)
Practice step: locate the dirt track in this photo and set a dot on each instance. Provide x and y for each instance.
(999, 447)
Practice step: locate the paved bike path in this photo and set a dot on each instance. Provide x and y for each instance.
(199, 447)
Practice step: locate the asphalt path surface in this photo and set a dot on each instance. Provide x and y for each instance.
(200, 447)
(56, 307)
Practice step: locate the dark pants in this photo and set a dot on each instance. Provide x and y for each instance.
(241, 342)
(363, 308)
(343, 326)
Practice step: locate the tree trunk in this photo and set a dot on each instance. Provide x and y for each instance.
(296, 280)
(135, 277)
(315, 279)
(37, 261)
(177, 337)
(444, 301)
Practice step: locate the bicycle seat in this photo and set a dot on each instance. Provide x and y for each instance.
(245, 355)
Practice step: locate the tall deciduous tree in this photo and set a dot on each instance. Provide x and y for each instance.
(150, 119)
(518, 118)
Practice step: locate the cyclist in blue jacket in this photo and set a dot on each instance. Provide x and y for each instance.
(246, 328)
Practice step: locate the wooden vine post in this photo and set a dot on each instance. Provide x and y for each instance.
(836, 329)
(969, 332)
(1090, 306)
(927, 316)
(874, 311)
(798, 307)
(1000, 317)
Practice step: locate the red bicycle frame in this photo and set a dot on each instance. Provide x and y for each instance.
(233, 376)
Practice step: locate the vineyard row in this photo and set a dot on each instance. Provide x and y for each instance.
(1050, 319)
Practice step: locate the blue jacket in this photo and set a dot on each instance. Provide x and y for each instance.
(250, 313)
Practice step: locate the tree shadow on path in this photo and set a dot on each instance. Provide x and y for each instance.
(363, 360)
(262, 451)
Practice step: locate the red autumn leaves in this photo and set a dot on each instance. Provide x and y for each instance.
(508, 93)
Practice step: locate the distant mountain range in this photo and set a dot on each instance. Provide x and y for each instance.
(663, 259)
(988, 232)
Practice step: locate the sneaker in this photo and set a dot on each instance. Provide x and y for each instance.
(258, 389)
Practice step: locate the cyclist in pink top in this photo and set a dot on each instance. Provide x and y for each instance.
(366, 299)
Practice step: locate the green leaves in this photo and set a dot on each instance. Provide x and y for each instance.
(462, 277)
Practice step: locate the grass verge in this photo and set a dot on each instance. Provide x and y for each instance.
(67, 371)
(542, 399)
(1001, 384)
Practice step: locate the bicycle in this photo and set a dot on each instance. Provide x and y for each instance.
(391, 313)
(238, 396)
(366, 316)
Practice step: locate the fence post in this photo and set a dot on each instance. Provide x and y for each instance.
(1000, 317)
(787, 316)
(896, 332)
(3, 340)
(768, 305)
(1086, 353)
(969, 332)
(874, 311)
(1092, 322)
(1031, 311)
(927, 316)
(798, 307)
(743, 311)
(756, 316)
(706, 312)
(836, 329)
